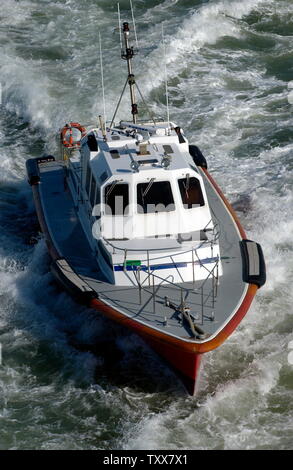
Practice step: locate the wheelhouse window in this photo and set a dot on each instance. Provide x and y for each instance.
(116, 198)
(154, 196)
(191, 193)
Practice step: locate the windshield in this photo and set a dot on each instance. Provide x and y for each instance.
(116, 198)
(154, 196)
(191, 193)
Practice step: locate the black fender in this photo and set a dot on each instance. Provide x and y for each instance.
(69, 279)
(197, 156)
(92, 143)
(253, 263)
(32, 169)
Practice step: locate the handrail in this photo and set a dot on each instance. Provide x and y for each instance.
(176, 285)
(205, 242)
(152, 283)
(185, 293)
(215, 238)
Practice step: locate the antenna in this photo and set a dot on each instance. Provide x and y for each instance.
(119, 24)
(102, 82)
(133, 21)
(166, 78)
(127, 53)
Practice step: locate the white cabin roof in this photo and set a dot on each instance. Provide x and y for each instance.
(116, 154)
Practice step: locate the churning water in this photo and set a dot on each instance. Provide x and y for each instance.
(72, 380)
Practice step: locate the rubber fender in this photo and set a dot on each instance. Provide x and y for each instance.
(197, 156)
(253, 263)
(32, 170)
(92, 143)
(68, 279)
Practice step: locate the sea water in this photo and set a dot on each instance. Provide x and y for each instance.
(70, 379)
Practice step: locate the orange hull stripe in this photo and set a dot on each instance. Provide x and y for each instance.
(164, 341)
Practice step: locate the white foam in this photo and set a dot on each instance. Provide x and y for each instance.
(26, 92)
(15, 13)
(206, 26)
(227, 419)
(290, 97)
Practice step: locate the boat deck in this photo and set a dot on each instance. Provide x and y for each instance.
(210, 305)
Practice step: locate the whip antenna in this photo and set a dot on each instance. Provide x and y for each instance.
(133, 21)
(166, 78)
(103, 87)
(119, 24)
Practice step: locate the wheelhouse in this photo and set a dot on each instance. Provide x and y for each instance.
(152, 205)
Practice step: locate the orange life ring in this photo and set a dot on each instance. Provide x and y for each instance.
(68, 128)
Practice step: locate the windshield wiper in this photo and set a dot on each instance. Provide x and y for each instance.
(148, 187)
(111, 189)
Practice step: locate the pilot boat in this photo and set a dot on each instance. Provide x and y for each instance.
(138, 230)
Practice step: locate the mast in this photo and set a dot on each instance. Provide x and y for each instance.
(128, 55)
